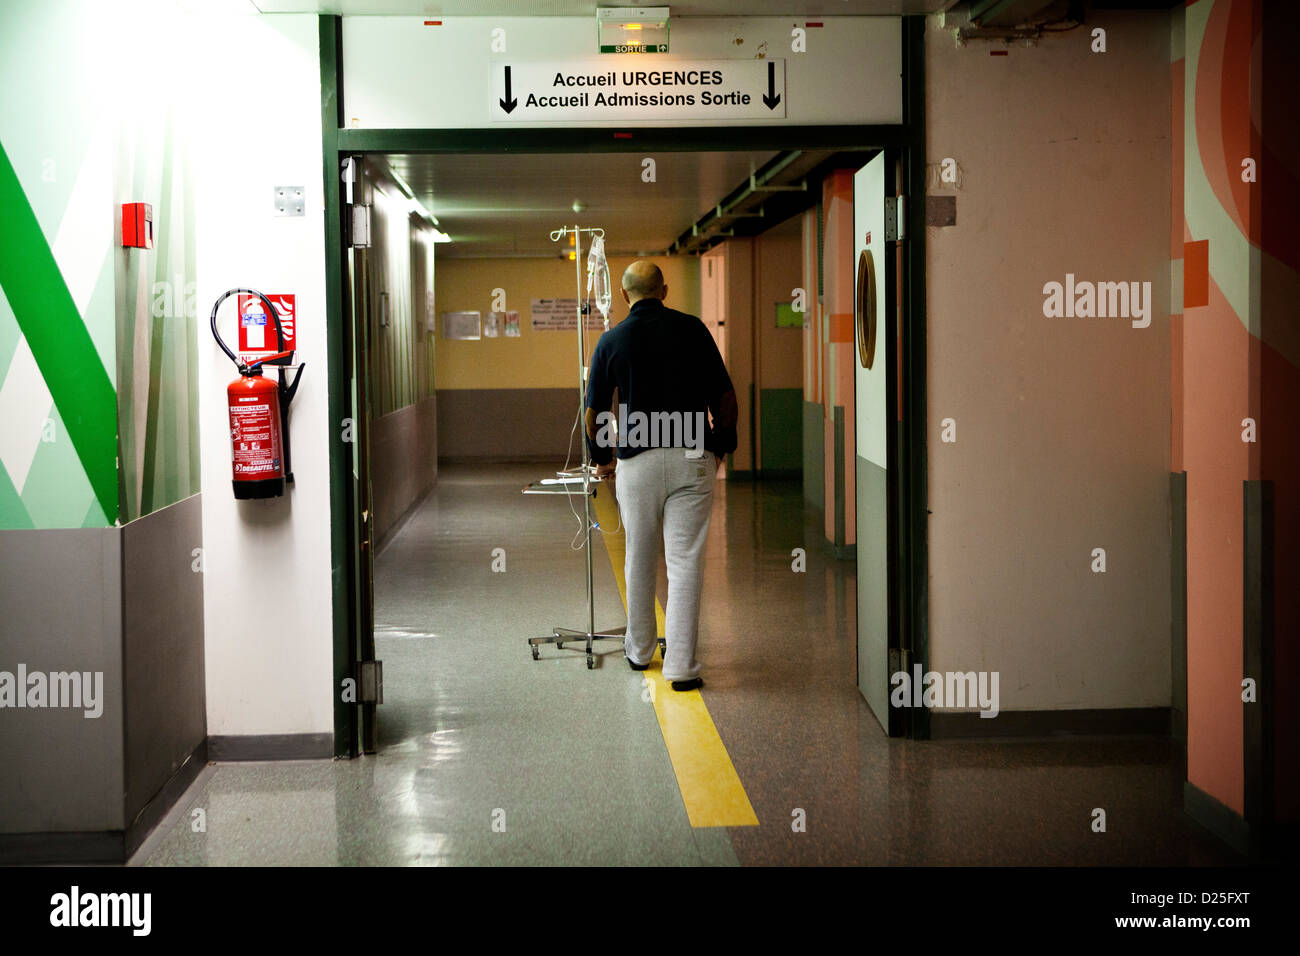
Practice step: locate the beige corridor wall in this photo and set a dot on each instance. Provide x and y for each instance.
(516, 398)
(1062, 424)
(535, 359)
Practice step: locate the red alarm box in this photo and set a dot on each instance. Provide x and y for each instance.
(137, 225)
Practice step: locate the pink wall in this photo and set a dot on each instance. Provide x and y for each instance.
(1240, 351)
(837, 344)
(776, 272)
(1062, 424)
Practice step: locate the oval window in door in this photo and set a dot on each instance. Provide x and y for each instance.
(864, 308)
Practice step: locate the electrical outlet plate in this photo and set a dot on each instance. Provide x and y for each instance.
(289, 201)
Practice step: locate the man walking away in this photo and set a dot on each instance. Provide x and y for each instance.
(671, 380)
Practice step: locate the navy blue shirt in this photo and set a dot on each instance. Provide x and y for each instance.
(662, 362)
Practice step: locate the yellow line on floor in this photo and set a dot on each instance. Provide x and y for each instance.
(710, 787)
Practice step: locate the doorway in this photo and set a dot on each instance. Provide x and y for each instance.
(353, 599)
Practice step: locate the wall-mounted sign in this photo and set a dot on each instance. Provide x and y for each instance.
(558, 315)
(399, 74)
(257, 331)
(685, 89)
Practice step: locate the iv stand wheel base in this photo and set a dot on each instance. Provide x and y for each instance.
(559, 635)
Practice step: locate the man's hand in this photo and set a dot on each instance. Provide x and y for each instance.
(606, 470)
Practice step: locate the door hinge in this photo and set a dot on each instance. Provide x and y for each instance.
(360, 226)
(895, 221)
(899, 659)
(370, 681)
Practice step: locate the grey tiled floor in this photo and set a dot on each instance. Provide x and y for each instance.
(573, 761)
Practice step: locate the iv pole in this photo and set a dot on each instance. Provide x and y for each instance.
(559, 635)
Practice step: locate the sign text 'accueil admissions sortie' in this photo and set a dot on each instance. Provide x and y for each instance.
(714, 89)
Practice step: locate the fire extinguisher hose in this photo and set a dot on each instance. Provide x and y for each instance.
(270, 310)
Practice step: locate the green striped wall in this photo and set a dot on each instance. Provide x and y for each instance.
(159, 324)
(89, 345)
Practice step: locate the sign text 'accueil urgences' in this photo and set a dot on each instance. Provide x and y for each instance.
(715, 89)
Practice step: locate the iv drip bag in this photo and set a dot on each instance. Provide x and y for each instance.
(598, 278)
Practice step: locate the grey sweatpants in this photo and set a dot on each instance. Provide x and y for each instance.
(662, 493)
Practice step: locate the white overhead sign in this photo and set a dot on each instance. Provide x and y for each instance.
(645, 89)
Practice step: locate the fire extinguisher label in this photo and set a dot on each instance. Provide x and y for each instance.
(255, 441)
(257, 330)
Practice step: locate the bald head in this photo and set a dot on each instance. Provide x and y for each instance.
(643, 280)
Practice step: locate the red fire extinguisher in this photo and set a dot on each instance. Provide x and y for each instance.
(259, 413)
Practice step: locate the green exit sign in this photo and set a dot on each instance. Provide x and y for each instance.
(635, 48)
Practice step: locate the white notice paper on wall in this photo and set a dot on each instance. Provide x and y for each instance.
(460, 325)
(508, 322)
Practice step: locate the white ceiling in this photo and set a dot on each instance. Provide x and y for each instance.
(584, 8)
(507, 204)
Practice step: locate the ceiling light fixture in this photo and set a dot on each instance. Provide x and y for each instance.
(632, 29)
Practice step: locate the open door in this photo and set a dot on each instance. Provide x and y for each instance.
(873, 364)
(368, 672)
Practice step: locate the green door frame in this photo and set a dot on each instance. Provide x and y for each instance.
(338, 142)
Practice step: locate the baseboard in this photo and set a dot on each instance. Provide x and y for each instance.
(26, 849)
(1178, 725)
(1268, 843)
(165, 798)
(271, 747)
(1116, 722)
(840, 552)
(387, 538)
(556, 457)
(107, 846)
(1221, 820)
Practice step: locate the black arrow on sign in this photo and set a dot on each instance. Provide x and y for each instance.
(771, 99)
(509, 103)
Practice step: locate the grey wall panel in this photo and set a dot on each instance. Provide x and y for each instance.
(403, 461)
(1178, 603)
(508, 423)
(814, 452)
(60, 591)
(873, 587)
(1258, 651)
(162, 647)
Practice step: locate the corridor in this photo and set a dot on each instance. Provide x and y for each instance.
(574, 765)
